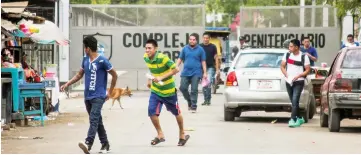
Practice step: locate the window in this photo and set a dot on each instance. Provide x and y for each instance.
(259, 60)
(333, 64)
(352, 59)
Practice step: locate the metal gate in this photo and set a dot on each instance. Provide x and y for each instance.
(272, 25)
(123, 29)
(40, 55)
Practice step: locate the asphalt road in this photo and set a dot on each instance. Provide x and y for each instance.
(130, 131)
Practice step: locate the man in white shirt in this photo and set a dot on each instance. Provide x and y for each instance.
(350, 42)
(295, 67)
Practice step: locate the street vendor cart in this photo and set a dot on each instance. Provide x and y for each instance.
(35, 90)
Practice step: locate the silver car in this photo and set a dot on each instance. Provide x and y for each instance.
(255, 83)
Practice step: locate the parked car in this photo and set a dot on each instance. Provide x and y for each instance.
(341, 91)
(318, 76)
(255, 83)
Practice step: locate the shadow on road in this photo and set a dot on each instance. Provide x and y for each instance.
(348, 130)
(261, 119)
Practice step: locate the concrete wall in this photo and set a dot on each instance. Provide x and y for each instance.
(125, 48)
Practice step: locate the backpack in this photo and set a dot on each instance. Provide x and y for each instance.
(297, 63)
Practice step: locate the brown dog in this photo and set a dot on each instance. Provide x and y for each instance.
(118, 93)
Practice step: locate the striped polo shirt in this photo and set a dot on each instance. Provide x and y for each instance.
(158, 66)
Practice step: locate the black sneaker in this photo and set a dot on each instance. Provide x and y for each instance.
(208, 102)
(193, 110)
(105, 148)
(205, 103)
(86, 147)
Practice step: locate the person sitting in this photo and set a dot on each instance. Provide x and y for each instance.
(30, 72)
(6, 59)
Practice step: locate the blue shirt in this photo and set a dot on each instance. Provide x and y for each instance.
(312, 51)
(344, 45)
(192, 59)
(96, 76)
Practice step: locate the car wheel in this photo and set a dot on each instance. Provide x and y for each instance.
(229, 115)
(238, 113)
(312, 108)
(334, 120)
(323, 118)
(305, 113)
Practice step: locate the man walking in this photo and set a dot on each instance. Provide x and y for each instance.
(310, 51)
(212, 63)
(96, 69)
(163, 90)
(194, 59)
(295, 66)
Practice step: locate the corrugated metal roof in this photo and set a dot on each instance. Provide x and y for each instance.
(14, 7)
(8, 25)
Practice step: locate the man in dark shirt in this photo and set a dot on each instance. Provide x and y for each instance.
(212, 66)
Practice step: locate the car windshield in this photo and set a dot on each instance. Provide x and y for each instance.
(352, 59)
(259, 60)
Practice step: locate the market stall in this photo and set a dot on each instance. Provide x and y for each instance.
(37, 77)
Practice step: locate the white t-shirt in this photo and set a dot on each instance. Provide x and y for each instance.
(294, 70)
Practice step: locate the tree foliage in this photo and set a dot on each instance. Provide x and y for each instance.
(229, 7)
(343, 6)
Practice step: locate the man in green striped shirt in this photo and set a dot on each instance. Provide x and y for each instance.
(163, 90)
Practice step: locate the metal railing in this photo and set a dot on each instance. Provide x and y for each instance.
(288, 16)
(137, 15)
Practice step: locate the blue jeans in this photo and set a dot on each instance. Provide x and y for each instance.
(193, 96)
(207, 91)
(294, 92)
(94, 107)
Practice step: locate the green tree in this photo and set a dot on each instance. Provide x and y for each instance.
(343, 6)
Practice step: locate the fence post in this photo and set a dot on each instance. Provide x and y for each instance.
(137, 80)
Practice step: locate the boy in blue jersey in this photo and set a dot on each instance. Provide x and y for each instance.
(96, 68)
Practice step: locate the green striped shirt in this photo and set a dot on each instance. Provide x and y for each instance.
(158, 66)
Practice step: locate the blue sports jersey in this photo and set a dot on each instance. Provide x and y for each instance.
(96, 76)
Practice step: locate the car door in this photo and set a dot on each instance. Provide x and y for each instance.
(325, 86)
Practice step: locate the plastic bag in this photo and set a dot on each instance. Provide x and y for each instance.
(205, 82)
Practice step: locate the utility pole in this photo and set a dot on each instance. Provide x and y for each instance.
(214, 18)
(302, 13)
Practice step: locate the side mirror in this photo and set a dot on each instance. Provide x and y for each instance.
(225, 70)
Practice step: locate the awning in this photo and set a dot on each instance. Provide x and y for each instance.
(8, 25)
(49, 33)
(8, 35)
(14, 7)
